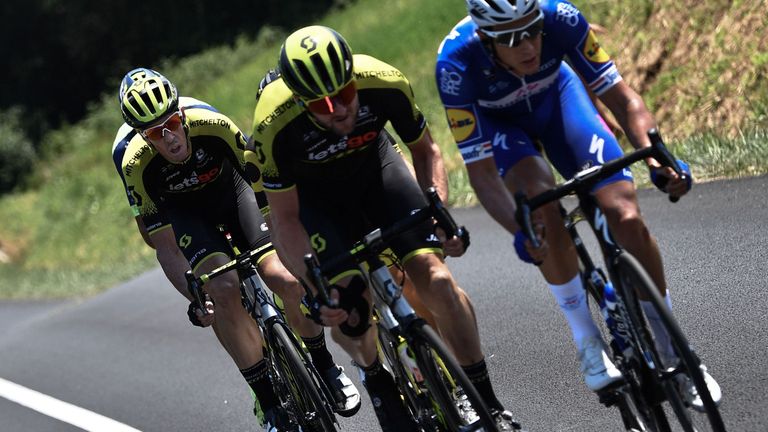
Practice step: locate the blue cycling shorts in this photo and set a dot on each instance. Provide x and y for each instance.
(568, 126)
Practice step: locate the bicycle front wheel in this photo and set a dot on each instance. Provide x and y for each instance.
(298, 387)
(672, 378)
(458, 401)
(418, 402)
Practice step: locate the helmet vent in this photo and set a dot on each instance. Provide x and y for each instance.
(158, 95)
(338, 71)
(306, 76)
(325, 78)
(495, 7)
(137, 107)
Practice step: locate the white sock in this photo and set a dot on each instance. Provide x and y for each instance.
(572, 299)
(663, 342)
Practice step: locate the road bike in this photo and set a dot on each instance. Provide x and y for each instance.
(305, 398)
(435, 388)
(650, 379)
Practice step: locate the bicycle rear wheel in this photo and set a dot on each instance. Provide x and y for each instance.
(299, 383)
(460, 405)
(633, 277)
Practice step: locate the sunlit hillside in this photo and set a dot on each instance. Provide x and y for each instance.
(702, 66)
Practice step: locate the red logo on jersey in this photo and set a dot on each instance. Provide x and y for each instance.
(337, 149)
(194, 179)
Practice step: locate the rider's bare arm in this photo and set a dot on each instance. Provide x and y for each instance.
(492, 193)
(172, 261)
(429, 166)
(288, 234)
(630, 111)
(143, 230)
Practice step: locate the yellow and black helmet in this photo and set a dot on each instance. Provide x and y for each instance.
(148, 99)
(315, 62)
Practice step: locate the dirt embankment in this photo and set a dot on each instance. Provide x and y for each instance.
(701, 65)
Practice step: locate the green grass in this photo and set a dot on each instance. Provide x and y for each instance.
(713, 157)
(71, 233)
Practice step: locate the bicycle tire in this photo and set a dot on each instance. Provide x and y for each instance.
(312, 410)
(632, 275)
(429, 349)
(417, 402)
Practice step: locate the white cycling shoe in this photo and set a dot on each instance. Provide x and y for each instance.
(598, 369)
(691, 395)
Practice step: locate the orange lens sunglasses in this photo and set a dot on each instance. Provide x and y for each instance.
(156, 132)
(344, 96)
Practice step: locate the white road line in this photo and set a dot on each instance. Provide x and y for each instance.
(60, 410)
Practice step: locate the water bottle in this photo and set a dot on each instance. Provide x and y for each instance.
(609, 308)
(408, 360)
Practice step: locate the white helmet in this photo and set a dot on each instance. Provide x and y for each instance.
(487, 13)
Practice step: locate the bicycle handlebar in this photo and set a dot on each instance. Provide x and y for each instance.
(587, 178)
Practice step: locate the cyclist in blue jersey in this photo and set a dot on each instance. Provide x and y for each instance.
(510, 98)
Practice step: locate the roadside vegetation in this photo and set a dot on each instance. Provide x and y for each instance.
(702, 66)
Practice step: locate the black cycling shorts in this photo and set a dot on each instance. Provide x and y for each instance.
(196, 225)
(337, 215)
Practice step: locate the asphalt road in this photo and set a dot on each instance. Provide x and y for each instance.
(131, 356)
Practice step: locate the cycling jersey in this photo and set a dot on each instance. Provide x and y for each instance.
(203, 191)
(292, 148)
(346, 184)
(126, 133)
(493, 112)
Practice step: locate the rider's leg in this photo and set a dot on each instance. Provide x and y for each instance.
(282, 283)
(410, 293)
(619, 203)
(448, 303)
(455, 317)
(560, 269)
(237, 332)
(361, 348)
(379, 383)
(280, 280)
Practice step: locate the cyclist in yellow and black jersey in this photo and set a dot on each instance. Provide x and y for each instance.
(294, 148)
(185, 170)
(209, 168)
(331, 173)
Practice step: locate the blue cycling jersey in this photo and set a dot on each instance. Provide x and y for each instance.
(493, 112)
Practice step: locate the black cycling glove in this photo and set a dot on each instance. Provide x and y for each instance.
(193, 318)
(351, 300)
